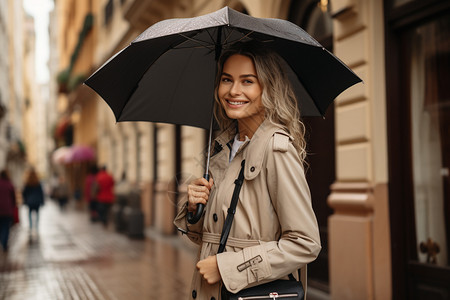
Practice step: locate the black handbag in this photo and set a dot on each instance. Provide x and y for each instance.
(277, 289)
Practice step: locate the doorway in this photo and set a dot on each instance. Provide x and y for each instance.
(418, 108)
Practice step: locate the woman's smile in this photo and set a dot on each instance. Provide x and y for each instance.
(236, 103)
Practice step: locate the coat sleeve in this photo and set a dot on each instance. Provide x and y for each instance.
(193, 231)
(299, 243)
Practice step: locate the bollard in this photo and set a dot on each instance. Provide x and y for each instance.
(118, 213)
(134, 216)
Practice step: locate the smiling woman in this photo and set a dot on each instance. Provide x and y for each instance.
(240, 94)
(255, 66)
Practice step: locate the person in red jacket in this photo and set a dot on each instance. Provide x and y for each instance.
(105, 194)
(7, 206)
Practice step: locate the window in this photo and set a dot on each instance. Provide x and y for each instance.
(428, 59)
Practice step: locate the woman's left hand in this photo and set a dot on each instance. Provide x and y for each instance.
(209, 269)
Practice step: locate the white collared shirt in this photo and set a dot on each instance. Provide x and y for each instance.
(236, 145)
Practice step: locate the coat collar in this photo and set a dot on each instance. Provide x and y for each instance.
(226, 136)
(256, 149)
(253, 150)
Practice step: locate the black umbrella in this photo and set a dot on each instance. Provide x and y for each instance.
(167, 73)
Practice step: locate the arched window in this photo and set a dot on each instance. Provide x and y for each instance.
(315, 18)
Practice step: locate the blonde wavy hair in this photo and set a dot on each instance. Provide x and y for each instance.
(278, 97)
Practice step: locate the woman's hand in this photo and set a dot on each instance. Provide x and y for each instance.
(198, 192)
(209, 269)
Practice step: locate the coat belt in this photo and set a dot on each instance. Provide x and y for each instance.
(214, 238)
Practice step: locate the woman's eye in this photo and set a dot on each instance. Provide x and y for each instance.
(225, 79)
(248, 81)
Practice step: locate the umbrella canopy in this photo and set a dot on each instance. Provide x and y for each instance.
(80, 153)
(60, 155)
(167, 73)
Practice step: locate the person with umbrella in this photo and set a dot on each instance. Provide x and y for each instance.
(275, 231)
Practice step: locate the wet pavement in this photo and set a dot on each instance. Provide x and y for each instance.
(71, 258)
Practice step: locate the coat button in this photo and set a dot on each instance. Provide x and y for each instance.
(194, 294)
(215, 217)
(252, 169)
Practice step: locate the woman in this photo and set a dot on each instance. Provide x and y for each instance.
(7, 208)
(105, 194)
(33, 196)
(275, 231)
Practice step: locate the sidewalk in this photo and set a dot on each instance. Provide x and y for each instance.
(71, 258)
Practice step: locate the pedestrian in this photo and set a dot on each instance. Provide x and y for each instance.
(61, 192)
(105, 195)
(53, 184)
(90, 192)
(7, 208)
(275, 231)
(33, 196)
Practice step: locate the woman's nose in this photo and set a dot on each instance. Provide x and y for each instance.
(235, 89)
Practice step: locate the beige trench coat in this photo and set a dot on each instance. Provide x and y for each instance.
(274, 231)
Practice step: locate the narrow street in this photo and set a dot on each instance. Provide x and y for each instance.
(71, 258)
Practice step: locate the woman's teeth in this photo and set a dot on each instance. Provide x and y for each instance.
(236, 102)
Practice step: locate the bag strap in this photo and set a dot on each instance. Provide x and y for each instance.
(232, 209)
(230, 215)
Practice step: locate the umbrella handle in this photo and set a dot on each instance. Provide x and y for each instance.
(191, 218)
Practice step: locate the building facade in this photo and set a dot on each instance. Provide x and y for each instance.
(4, 82)
(12, 99)
(73, 114)
(34, 111)
(379, 169)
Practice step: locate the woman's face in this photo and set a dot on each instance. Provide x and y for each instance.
(240, 90)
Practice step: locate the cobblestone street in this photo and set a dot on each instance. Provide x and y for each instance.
(71, 258)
